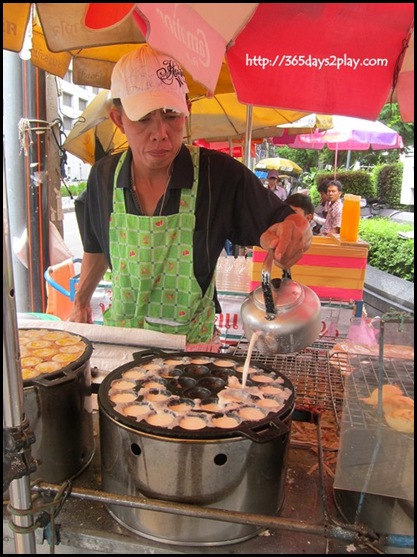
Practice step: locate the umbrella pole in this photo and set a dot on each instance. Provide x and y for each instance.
(248, 135)
(188, 128)
(348, 159)
(14, 426)
(335, 163)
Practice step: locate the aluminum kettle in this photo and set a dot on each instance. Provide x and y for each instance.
(285, 315)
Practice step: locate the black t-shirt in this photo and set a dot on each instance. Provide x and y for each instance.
(231, 204)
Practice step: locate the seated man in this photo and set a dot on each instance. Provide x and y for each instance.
(334, 214)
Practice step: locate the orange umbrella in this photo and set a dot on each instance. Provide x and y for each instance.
(221, 117)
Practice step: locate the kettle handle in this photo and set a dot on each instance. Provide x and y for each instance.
(266, 286)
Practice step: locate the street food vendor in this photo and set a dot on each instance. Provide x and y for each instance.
(159, 213)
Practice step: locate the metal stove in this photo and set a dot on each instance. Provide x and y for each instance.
(321, 378)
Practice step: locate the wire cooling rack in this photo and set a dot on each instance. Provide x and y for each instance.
(364, 379)
(316, 373)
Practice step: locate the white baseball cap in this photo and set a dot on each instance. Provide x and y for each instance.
(145, 80)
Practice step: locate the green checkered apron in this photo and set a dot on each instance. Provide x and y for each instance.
(153, 280)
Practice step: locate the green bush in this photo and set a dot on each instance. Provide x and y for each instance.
(314, 195)
(388, 179)
(75, 189)
(358, 182)
(387, 251)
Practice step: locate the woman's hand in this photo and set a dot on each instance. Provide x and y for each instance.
(289, 239)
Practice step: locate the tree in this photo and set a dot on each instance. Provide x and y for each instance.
(390, 116)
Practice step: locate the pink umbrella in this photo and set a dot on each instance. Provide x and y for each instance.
(321, 57)
(347, 133)
(351, 134)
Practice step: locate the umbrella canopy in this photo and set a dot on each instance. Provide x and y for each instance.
(54, 37)
(344, 58)
(351, 134)
(94, 134)
(234, 147)
(278, 163)
(221, 117)
(306, 124)
(340, 53)
(354, 134)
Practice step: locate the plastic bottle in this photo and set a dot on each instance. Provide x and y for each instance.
(351, 214)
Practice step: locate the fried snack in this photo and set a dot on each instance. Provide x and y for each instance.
(401, 419)
(387, 392)
(390, 350)
(398, 409)
(397, 402)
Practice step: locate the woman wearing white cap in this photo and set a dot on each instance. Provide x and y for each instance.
(160, 212)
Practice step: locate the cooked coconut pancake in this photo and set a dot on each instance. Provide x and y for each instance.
(46, 351)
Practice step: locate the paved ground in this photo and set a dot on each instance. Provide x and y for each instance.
(393, 214)
(71, 233)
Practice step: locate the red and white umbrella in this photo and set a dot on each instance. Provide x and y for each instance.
(330, 58)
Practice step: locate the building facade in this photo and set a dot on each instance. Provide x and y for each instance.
(72, 101)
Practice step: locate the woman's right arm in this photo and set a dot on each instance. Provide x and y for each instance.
(93, 267)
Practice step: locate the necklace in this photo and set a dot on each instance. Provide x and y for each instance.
(135, 196)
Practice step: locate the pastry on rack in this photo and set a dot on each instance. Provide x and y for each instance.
(398, 409)
(402, 352)
(388, 391)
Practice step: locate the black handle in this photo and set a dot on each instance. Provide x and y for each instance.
(268, 284)
(50, 381)
(266, 431)
(148, 352)
(266, 287)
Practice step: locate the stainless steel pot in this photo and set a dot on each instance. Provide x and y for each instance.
(59, 409)
(284, 315)
(241, 469)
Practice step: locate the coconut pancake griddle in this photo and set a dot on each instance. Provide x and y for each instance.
(195, 387)
(66, 371)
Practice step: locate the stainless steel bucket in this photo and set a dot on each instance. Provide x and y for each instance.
(244, 471)
(59, 409)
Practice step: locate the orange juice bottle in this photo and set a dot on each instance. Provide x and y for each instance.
(351, 214)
